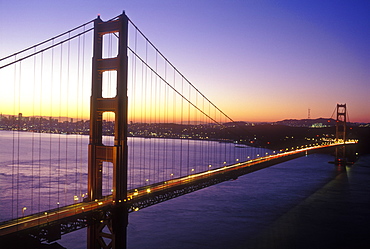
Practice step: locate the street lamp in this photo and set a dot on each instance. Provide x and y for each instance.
(23, 209)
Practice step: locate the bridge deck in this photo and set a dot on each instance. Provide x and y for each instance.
(78, 214)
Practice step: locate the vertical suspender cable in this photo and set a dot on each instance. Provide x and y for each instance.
(76, 127)
(13, 135)
(81, 194)
(67, 116)
(156, 102)
(51, 110)
(40, 123)
(182, 125)
(174, 122)
(33, 134)
(189, 129)
(18, 131)
(60, 121)
(145, 89)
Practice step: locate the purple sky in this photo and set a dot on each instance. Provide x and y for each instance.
(256, 60)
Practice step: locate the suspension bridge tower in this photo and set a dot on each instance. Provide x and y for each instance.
(341, 127)
(115, 220)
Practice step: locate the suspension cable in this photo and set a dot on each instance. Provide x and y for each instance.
(165, 58)
(47, 48)
(46, 41)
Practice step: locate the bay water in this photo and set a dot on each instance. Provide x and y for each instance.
(303, 203)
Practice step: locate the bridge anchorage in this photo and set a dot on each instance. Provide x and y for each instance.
(111, 197)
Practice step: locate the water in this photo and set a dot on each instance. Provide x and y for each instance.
(302, 203)
(43, 171)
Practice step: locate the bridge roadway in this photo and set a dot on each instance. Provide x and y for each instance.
(76, 216)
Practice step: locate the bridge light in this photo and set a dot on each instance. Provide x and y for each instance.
(75, 198)
(192, 169)
(148, 190)
(23, 209)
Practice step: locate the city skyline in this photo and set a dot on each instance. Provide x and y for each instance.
(257, 61)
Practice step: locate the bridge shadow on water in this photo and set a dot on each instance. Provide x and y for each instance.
(335, 216)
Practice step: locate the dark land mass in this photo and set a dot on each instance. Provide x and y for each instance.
(281, 135)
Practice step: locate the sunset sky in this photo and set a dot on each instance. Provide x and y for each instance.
(256, 60)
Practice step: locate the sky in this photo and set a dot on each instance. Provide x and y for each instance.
(256, 60)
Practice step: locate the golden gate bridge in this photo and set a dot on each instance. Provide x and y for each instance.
(153, 135)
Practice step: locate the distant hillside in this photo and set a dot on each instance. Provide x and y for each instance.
(319, 122)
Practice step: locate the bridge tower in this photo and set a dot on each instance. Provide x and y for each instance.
(116, 220)
(341, 127)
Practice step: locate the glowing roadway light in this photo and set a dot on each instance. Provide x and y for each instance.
(148, 190)
(23, 209)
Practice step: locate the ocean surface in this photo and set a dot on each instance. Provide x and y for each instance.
(303, 203)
